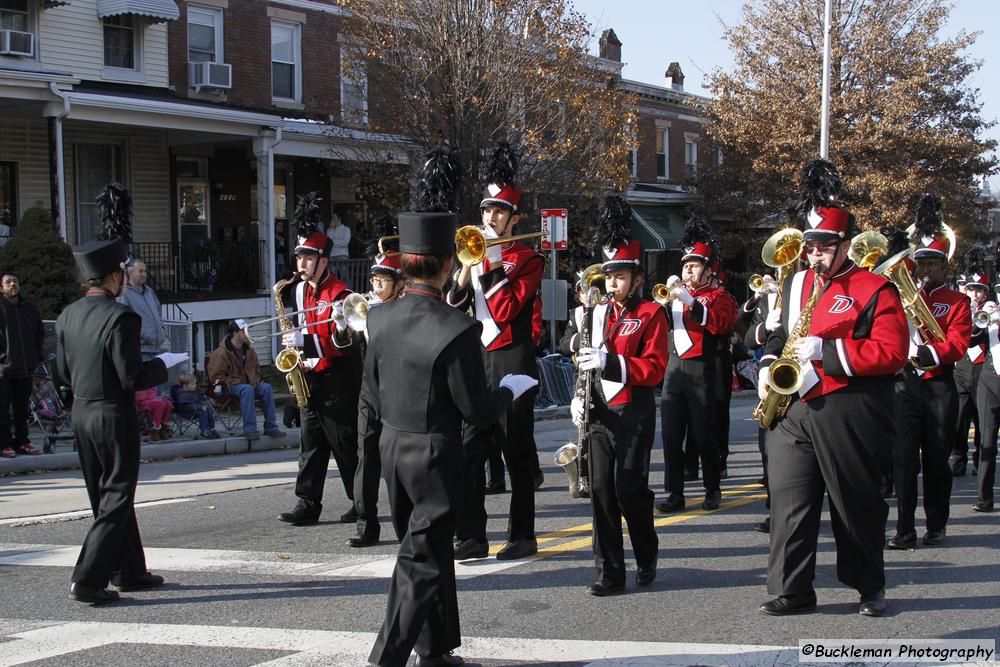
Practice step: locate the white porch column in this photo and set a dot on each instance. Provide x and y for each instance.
(55, 112)
(263, 150)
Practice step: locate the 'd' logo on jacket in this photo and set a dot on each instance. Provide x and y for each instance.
(941, 309)
(629, 327)
(841, 304)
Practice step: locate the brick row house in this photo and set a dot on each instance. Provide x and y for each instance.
(215, 113)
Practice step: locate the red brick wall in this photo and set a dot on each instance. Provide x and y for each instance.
(647, 140)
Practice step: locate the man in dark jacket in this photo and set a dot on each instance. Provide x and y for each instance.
(98, 354)
(20, 351)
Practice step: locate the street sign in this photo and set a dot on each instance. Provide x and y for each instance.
(554, 223)
(555, 301)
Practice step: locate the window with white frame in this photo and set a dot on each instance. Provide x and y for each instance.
(14, 15)
(663, 153)
(286, 61)
(353, 88)
(691, 156)
(204, 35)
(121, 42)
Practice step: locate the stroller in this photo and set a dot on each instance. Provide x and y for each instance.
(49, 408)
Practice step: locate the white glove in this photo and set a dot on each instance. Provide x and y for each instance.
(810, 348)
(291, 339)
(681, 294)
(576, 410)
(171, 359)
(773, 320)
(518, 384)
(763, 380)
(590, 358)
(337, 313)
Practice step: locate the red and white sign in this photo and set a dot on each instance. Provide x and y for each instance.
(554, 222)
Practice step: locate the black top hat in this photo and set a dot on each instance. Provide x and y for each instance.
(98, 258)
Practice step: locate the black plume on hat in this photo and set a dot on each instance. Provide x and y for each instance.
(898, 241)
(307, 213)
(974, 261)
(115, 205)
(615, 223)
(502, 167)
(928, 218)
(820, 186)
(439, 181)
(697, 230)
(384, 225)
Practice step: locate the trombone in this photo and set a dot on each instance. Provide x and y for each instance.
(351, 312)
(471, 244)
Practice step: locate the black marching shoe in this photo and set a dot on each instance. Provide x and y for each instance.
(789, 604)
(903, 542)
(644, 577)
(444, 660)
(471, 548)
(600, 588)
(350, 516)
(91, 594)
(303, 514)
(518, 549)
(359, 541)
(873, 604)
(764, 526)
(140, 583)
(673, 503)
(983, 506)
(712, 499)
(495, 487)
(934, 536)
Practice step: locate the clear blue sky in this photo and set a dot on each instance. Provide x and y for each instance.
(656, 32)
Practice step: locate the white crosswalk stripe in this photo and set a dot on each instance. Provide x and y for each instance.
(243, 562)
(39, 640)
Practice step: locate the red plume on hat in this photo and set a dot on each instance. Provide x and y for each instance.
(501, 172)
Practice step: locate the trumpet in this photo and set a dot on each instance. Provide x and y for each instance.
(761, 284)
(986, 315)
(661, 291)
(471, 244)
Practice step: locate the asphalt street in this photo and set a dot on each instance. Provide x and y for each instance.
(245, 589)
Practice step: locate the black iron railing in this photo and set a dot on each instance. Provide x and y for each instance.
(204, 266)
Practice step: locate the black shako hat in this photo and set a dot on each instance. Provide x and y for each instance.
(430, 230)
(99, 258)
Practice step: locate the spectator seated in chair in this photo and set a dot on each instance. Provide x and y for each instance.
(234, 370)
(159, 409)
(191, 403)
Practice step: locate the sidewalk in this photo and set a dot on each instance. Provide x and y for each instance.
(65, 458)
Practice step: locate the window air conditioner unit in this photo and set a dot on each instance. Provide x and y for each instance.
(210, 75)
(17, 43)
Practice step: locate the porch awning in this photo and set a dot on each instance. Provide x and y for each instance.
(657, 227)
(154, 11)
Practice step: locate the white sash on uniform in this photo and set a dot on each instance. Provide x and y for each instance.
(490, 328)
(610, 389)
(794, 306)
(682, 339)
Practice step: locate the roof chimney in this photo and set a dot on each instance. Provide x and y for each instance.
(675, 77)
(611, 46)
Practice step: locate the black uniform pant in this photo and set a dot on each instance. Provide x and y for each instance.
(688, 411)
(327, 428)
(925, 422)
(424, 475)
(107, 440)
(14, 396)
(838, 444)
(367, 479)
(514, 433)
(966, 383)
(620, 443)
(988, 400)
(762, 447)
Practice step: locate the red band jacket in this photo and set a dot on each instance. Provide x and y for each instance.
(502, 296)
(953, 314)
(701, 328)
(860, 319)
(322, 344)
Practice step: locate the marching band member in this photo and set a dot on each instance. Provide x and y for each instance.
(628, 351)
(988, 405)
(502, 290)
(724, 377)
(836, 437)
(387, 282)
(332, 357)
(420, 393)
(926, 402)
(700, 319)
(969, 368)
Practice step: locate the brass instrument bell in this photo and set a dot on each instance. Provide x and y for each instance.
(868, 249)
(471, 244)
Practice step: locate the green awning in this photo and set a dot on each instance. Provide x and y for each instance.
(657, 227)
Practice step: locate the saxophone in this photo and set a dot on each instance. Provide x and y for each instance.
(289, 360)
(786, 371)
